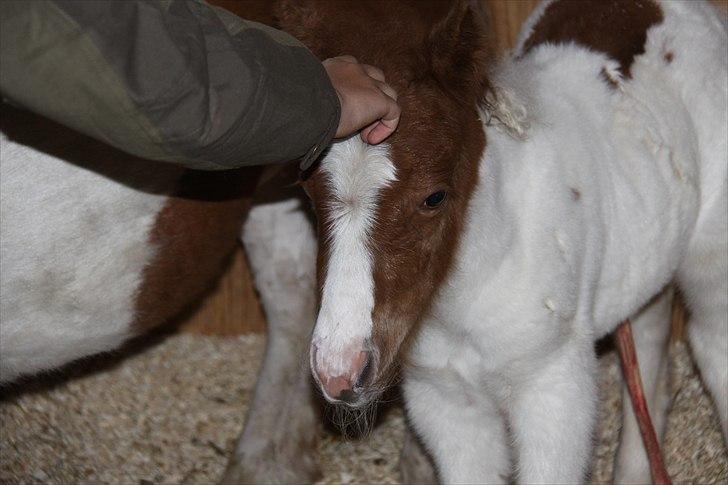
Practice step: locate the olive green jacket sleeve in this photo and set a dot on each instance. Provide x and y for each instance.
(173, 80)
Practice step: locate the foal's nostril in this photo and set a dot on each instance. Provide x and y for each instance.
(348, 396)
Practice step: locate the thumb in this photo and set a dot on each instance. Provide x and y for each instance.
(391, 111)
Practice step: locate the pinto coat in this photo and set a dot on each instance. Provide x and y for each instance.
(583, 176)
(614, 188)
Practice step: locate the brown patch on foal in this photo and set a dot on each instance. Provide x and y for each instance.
(617, 28)
(414, 247)
(383, 33)
(437, 63)
(438, 146)
(256, 10)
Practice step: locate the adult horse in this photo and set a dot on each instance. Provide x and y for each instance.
(99, 246)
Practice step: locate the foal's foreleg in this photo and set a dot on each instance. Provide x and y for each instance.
(465, 435)
(278, 442)
(553, 416)
(650, 329)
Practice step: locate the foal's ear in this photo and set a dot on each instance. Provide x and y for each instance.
(459, 48)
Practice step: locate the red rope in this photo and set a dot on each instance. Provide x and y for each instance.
(631, 371)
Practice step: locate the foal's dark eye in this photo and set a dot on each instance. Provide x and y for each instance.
(435, 199)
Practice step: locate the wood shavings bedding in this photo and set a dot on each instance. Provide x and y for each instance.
(171, 412)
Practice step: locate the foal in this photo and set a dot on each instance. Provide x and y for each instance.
(515, 218)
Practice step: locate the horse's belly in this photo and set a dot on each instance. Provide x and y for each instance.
(74, 247)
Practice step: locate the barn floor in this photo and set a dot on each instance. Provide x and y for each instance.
(170, 412)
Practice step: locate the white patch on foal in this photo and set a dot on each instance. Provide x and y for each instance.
(356, 173)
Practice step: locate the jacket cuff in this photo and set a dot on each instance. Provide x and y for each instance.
(314, 153)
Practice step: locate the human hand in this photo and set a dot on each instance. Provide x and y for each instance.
(367, 101)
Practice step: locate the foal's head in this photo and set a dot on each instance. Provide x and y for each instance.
(390, 215)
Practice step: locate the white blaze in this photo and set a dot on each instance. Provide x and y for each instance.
(356, 173)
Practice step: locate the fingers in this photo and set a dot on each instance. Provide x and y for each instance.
(374, 72)
(367, 102)
(388, 90)
(367, 131)
(390, 113)
(371, 71)
(381, 129)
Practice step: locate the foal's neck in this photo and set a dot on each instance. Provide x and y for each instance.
(548, 128)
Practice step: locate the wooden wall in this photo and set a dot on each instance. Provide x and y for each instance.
(232, 306)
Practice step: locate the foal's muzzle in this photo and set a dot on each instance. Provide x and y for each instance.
(344, 386)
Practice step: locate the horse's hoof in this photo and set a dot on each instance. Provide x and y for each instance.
(270, 467)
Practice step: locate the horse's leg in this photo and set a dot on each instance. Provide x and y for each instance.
(415, 464)
(650, 329)
(465, 434)
(553, 414)
(278, 442)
